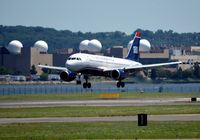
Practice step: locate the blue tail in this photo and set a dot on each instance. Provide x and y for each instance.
(133, 53)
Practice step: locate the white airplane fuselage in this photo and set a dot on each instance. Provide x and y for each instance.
(79, 62)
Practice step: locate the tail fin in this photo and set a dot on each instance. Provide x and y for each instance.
(133, 53)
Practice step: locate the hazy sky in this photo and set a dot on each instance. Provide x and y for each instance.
(103, 15)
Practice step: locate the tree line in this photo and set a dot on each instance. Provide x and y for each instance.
(68, 39)
(179, 74)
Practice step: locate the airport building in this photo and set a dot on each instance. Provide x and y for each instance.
(188, 55)
(22, 62)
(188, 60)
(60, 56)
(154, 57)
(20, 59)
(118, 51)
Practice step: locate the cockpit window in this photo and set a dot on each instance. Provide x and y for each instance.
(74, 58)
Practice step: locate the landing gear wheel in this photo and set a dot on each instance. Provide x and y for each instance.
(118, 84)
(89, 85)
(122, 84)
(84, 85)
(78, 82)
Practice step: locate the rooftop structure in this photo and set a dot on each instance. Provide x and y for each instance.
(90, 46)
(14, 47)
(42, 45)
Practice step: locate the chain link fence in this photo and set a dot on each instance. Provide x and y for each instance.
(100, 88)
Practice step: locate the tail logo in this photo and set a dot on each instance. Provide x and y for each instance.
(135, 49)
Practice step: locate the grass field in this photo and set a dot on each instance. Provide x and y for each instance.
(99, 130)
(92, 111)
(65, 96)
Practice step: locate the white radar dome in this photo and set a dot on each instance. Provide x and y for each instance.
(42, 45)
(15, 47)
(91, 46)
(84, 45)
(144, 45)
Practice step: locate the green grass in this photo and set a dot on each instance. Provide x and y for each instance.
(99, 130)
(91, 111)
(66, 96)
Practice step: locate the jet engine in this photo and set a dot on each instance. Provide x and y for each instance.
(67, 76)
(118, 74)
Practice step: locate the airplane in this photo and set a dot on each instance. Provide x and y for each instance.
(95, 65)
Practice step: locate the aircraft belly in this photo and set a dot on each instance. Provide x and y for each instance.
(94, 72)
(93, 69)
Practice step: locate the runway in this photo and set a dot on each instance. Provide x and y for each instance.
(181, 117)
(98, 102)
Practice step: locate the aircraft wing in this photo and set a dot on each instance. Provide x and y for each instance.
(152, 65)
(141, 67)
(53, 67)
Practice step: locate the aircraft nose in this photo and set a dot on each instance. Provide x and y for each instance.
(68, 64)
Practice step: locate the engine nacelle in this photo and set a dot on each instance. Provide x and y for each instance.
(67, 76)
(118, 74)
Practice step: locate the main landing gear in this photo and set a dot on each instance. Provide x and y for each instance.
(86, 84)
(122, 84)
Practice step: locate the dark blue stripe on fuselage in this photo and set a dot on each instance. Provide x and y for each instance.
(94, 72)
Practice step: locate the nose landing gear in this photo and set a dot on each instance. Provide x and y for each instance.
(78, 79)
(86, 84)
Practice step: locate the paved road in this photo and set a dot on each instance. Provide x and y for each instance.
(182, 117)
(98, 102)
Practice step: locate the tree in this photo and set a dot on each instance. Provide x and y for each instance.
(44, 77)
(168, 74)
(33, 70)
(49, 71)
(187, 73)
(65, 38)
(153, 74)
(160, 73)
(45, 70)
(4, 70)
(196, 70)
(179, 73)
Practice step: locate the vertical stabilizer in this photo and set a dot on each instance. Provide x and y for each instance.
(133, 53)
